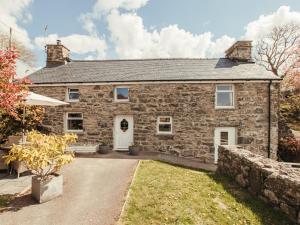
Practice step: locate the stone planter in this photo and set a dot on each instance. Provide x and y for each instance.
(134, 150)
(15, 139)
(3, 166)
(19, 167)
(103, 149)
(47, 190)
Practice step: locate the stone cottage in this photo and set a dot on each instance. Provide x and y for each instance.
(180, 106)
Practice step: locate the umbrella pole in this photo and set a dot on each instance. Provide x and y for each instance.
(23, 124)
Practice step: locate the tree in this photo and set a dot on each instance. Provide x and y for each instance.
(12, 90)
(11, 125)
(278, 52)
(26, 55)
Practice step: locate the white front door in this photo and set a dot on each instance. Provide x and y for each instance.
(123, 132)
(224, 136)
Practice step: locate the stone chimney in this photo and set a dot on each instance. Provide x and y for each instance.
(240, 51)
(57, 54)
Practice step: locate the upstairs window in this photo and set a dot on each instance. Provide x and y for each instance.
(73, 95)
(122, 94)
(164, 125)
(224, 96)
(74, 122)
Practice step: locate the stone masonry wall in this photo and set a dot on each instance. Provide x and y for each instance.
(272, 181)
(192, 107)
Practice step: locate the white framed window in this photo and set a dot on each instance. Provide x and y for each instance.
(224, 96)
(164, 125)
(73, 94)
(121, 94)
(74, 122)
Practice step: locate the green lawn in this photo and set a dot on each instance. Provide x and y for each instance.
(166, 194)
(4, 201)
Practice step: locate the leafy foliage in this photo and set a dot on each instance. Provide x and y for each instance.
(26, 54)
(10, 125)
(290, 107)
(12, 90)
(44, 154)
(289, 149)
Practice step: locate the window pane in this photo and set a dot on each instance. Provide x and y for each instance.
(224, 99)
(224, 138)
(75, 115)
(164, 127)
(124, 125)
(122, 93)
(224, 87)
(75, 125)
(73, 90)
(165, 119)
(74, 95)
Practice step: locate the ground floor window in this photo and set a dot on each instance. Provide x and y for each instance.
(74, 122)
(164, 125)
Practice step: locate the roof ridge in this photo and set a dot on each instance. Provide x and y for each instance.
(147, 59)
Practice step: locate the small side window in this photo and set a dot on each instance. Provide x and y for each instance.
(164, 125)
(122, 94)
(73, 95)
(224, 96)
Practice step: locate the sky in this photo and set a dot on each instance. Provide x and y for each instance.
(130, 29)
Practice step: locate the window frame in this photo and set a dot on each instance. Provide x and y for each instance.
(225, 91)
(66, 123)
(158, 123)
(68, 95)
(116, 96)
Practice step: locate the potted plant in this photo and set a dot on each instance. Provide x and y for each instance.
(104, 147)
(134, 149)
(44, 155)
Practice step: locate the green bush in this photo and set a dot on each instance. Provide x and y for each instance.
(289, 149)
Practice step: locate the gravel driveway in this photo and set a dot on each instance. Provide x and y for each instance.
(94, 193)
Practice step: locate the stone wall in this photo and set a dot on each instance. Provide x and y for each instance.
(274, 182)
(192, 107)
(57, 55)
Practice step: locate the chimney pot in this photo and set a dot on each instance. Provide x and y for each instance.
(58, 42)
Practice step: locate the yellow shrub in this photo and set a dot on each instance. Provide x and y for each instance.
(43, 154)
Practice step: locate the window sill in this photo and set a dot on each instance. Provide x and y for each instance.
(75, 131)
(72, 100)
(224, 107)
(164, 134)
(121, 101)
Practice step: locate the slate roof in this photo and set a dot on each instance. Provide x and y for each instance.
(78, 71)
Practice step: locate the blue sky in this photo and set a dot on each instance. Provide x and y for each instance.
(101, 29)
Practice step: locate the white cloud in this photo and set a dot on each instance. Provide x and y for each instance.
(264, 24)
(88, 23)
(12, 12)
(133, 40)
(80, 44)
(23, 69)
(103, 7)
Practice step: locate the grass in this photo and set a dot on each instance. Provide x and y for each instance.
(166, 194)
(5, 200)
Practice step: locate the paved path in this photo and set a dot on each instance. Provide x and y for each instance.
(11, 185)
(94, 193)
